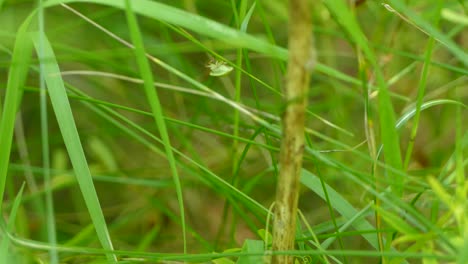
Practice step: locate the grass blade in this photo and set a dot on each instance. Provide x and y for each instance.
(49, 213)
(63, 113)
(147, 76)
(16, 78)
(388, 131)
(340, 204)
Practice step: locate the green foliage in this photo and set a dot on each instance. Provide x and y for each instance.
(181, 168)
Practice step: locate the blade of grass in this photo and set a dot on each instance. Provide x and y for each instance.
(454, 16)
(426, 105)
(49, 204)
(16, 78)
(252, 246)
(152, 95)
(361, 214)
(63, 113)
(396, 222)
(412, 112)
(340, 204)
(421, 92)
(388, 132)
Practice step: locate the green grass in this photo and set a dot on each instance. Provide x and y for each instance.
(138, 155)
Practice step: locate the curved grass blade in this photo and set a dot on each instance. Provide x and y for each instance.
(411, 113)
(408, 115)
(63, 113)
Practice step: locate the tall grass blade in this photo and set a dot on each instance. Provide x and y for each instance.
(153, 98)
(66, 122)
(421, 92)
(16, 79)
(390, 138)
(49, 213)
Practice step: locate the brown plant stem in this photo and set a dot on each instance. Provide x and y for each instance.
(292, 145)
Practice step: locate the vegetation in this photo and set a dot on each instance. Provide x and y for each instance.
(149, 131)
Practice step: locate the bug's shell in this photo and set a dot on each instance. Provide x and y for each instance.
(219, 68)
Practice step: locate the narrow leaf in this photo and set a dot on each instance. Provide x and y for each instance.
(66, 122)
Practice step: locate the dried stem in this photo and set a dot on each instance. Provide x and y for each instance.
(300, 62)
